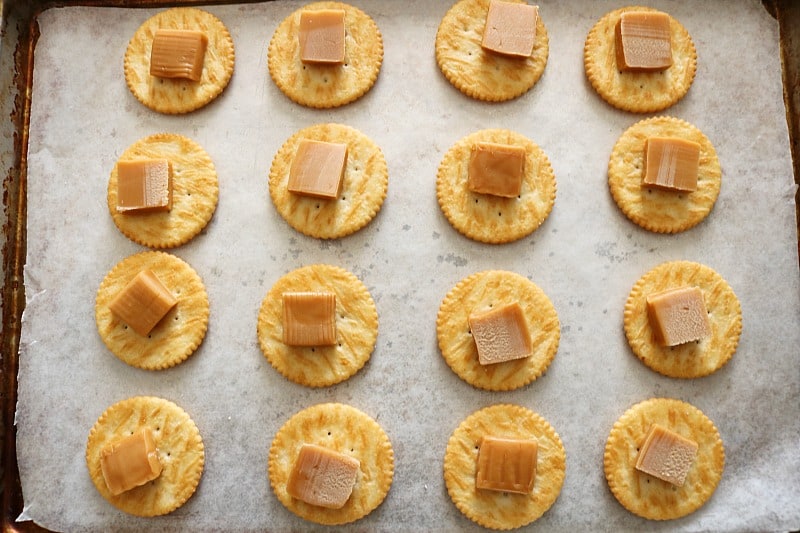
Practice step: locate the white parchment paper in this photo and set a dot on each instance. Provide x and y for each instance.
(586, 256)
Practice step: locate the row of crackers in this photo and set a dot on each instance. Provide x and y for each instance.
(504, 465)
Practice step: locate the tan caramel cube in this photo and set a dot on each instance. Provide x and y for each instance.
(666, 455)
(130, 462)
(501, 334)
(143, 302)
(510, 28)
(643, 41)
(678, 316)
(322, 477)
(317, 169)
(496, 169)
(309, 318)
(321, 36)
(178, 54)
(144, 186)
(507, 465)
(671, 164)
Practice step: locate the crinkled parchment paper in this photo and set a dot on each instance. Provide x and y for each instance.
(586, 256)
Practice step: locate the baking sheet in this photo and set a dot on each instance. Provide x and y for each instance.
(585, 257)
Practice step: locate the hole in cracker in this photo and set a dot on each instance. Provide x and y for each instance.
(124, 326)
(317, 206)
(476, 200)
(499, 213)
(313, 349)
(325, 79)
(340, 345)
(329, 433)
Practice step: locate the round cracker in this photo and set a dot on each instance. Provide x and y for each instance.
(476, 72)
(356, 327)
(489, 218)
(638, 92)
(693, 359)
(648, 496)
(363, 190)
(343, 429)
(180, 451)
(478, 293)
(195, 192)
(658, 210)
(495, 509)
(174, 96)
(320, 85)
(181, 330)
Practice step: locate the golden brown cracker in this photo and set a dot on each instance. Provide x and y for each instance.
(356, 327)
(489, 218)
(343, 429)
(479, 73)
(363, 190)
(195, 192)
(326, 86)
(693, 359)
(478, 293)
(658, 210)
(180, 451)
(174, 96)
(648, 496)
(181, 330)
(503, 510)
(638, 92)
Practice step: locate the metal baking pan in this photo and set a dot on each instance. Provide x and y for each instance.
(18, 38)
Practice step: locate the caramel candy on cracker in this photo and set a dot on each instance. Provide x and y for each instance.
(317, 169)
(501, 334)
(666, 455)
(130, 462)
(678, 315)
(507, 465)
(643, 41)
(510, 28)
(497, 169)
(321, 36)
(322, 477)
(143, 302)
(309, 318)
(178, 54)
(671, 164)
(144, 186)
